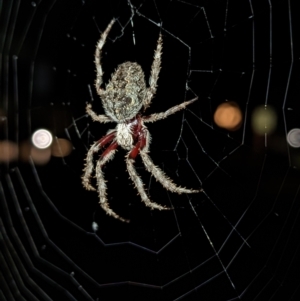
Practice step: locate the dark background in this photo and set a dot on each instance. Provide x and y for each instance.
(238, 239)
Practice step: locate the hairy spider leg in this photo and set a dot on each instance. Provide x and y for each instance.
(155, 69)
(142, 148)
(130, 158)
(107, 138)
(113, 146)
(158, 116)
(95, 117)
(140, 186)
(89, 166)
(142, 141)
(99, 47)
(107, 155)
(161, 177)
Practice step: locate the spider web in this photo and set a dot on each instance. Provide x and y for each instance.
(237, 239)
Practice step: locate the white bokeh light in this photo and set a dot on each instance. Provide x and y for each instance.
(293, 138)
(42, 139)
(95, 226)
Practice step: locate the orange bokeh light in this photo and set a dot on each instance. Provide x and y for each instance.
(8, 151)
(40, 156)
(61, 147)
(228, 116)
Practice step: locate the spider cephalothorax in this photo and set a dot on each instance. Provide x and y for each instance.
(124, 96)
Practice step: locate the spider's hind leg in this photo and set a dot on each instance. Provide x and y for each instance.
(155, 69)
(98, 51)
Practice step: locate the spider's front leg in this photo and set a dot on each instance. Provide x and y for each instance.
(130, 158)
(89, 166)
(107, 155)
(140, 186)
(161, 177)
(142, 148)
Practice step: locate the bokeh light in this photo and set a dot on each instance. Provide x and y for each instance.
(24, 151)
(40, 156)
(228, 116)
(8, 151)
(264, 120)
(42, 139)
(293, 138)
(61, 147)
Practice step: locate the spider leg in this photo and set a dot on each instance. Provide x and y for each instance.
(160, 176)
(143, 141)
(95, 117)
(142, 148)
(158, 116)
(89, 166)
(99, 47)
(155, 68)
(140, 186)
(107, 155)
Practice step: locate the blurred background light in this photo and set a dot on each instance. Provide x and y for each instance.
(40, 156)
(42, 139)
(25, 149)
(8, 151)
(61, 147)
(293, 138)
(264, 120)
(228, 116)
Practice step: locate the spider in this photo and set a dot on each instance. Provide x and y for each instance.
(123, 99)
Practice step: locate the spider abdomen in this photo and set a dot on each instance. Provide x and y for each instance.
(125, 92)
